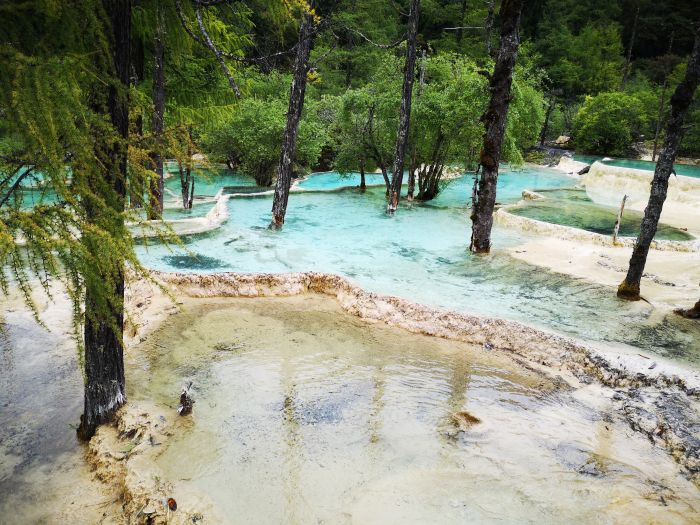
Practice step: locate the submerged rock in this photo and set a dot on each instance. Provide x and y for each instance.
(464, 420)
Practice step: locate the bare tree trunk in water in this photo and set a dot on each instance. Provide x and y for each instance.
(412, 168)
(156, 208)
(405, 111)
(494, 120)
(363, 183)
(296, 105)
(186, 179)
(628, 62)
(104, 326)
(680, 101)
(488, 25)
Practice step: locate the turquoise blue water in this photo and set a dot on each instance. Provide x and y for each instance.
(681, 169)
(333, 180)
(421, 254)
(208, 182)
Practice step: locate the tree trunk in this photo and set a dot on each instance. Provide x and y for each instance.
(156, 208)
(628, 61)
(363, 183)
(547, 115)
(616, 229)
(488, 25)
(494, 120)
(104, 324)
(414, 155)
(387, 182)
(296, 105)
(690, 313)
(405, 111)
(680, 101)
(186, 174)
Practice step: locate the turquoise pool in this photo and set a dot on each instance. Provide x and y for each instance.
(681, 169)
(421, 254)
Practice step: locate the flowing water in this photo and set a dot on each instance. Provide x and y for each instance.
(421, 254)
(306, 414)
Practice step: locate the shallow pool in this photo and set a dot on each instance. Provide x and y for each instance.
(421, 254)
(681, 169)
(573, 208)
(306, 414)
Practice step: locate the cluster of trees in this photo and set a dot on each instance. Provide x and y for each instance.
(95, 94)
(611, 67)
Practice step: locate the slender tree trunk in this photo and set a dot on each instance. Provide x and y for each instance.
(488, 25)
(296, 105)
(628, 61)
(363, 183)
(460, 31)
(157, 185)
(680, 101)
(405, 111)
(494, 120)
(547, 115)
(414, 155)
(387, 181)
(104, 324)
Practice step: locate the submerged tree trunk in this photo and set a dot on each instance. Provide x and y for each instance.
(156, 208)
(494, 120)
(104, 324)
(296, 105)
(363, 183)
(680, 101)
(405, 111)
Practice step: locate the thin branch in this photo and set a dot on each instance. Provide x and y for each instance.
(461, 27)
(216, 52)
(382, 46)
(312, 65)
(231, 56)
(15, 186)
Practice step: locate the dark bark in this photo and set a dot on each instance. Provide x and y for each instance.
(363, 183)
(690, 313)
(157, 185)
(680, 101)
(488, 25)
(547, 115)
(296, 105)
(104, 352)
(189, 204)
(405, 111)
(374, 152)
(494, 120)
(628, 61)
(414, 156)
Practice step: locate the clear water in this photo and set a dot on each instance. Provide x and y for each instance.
(578, 211)
(208, 182)
(681, 169)
(333, 180)
(421, 254)
(306, 414)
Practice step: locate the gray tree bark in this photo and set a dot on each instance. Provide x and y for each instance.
(296, 105)
(494, 120)
(680, 102)
(104, 326)
(405, 111)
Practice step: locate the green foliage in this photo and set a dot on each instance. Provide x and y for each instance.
(610, 123)
(250, 138)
